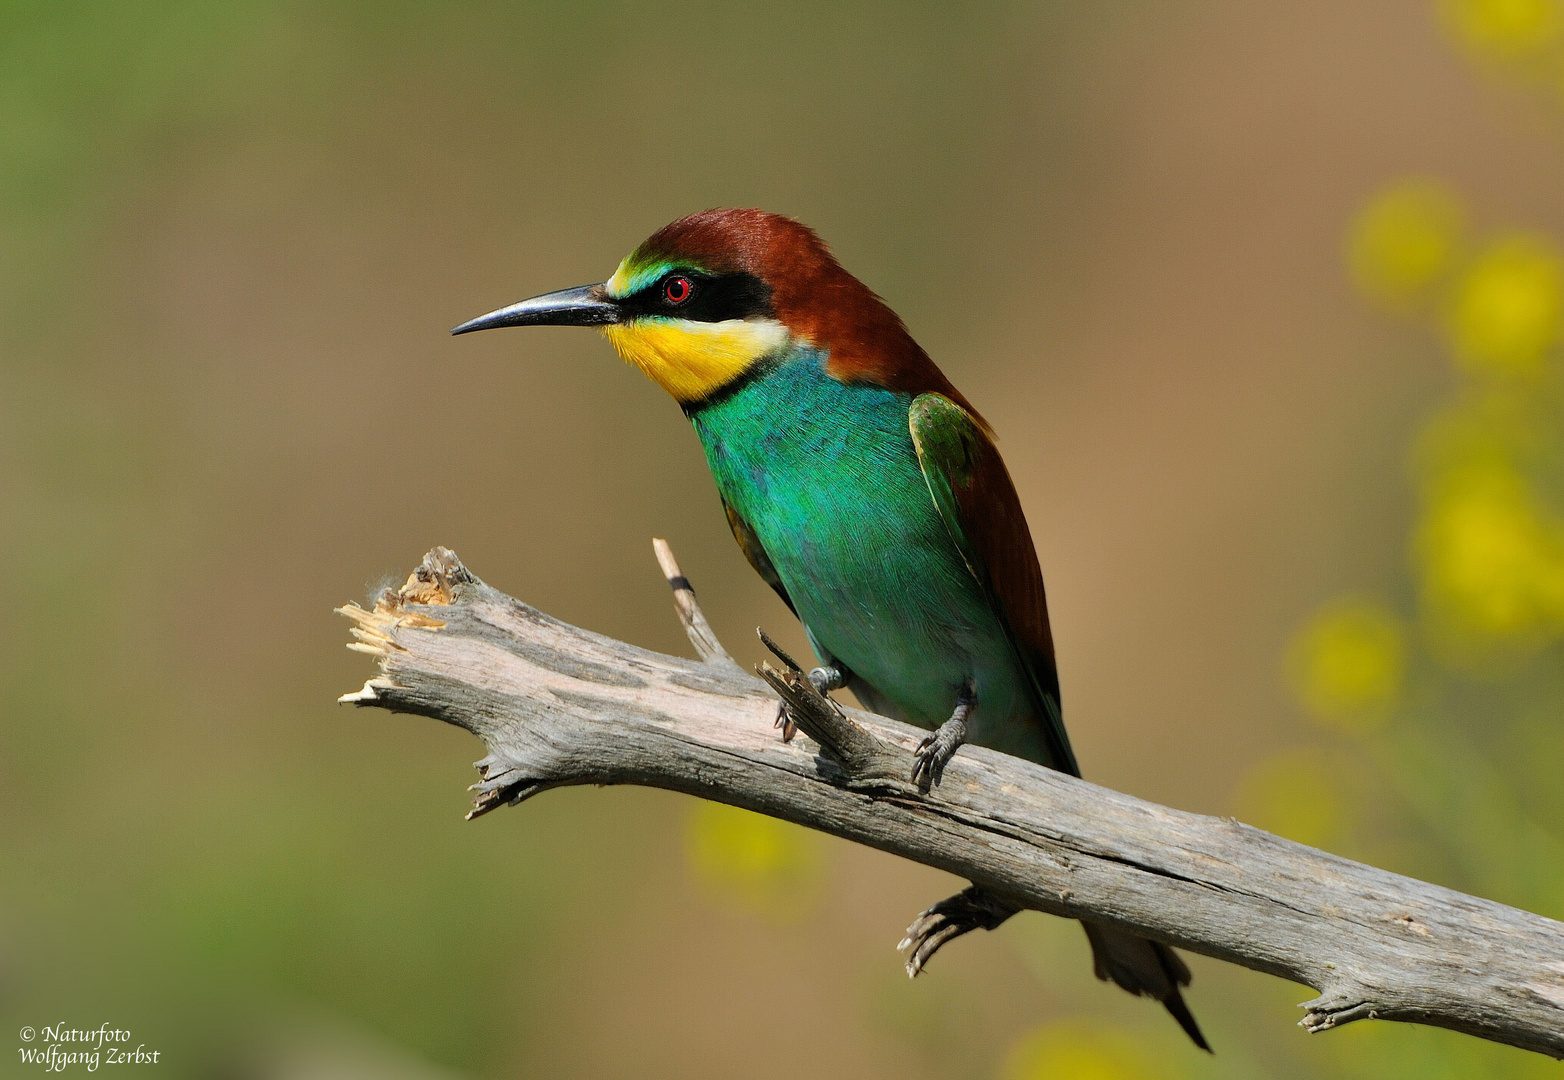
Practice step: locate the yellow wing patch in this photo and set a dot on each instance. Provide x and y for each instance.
(691, 359)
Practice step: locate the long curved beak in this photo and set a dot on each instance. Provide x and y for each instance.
(587, 305)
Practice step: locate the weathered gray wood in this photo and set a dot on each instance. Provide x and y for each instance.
(557, 705)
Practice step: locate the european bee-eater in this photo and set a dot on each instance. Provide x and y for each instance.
(866, 490)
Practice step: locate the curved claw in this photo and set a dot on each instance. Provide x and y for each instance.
(935, 752)
(785, 721)
(822, 680)
(974, 908)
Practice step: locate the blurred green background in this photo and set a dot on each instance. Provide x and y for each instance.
(1263, 299)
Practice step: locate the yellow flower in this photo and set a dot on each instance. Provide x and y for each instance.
(1404, 239)
(1504, 317)
(768, 866)
(1295, 794)
(1347, 662)
(1503, 29)
(1491, 557)
(1080, 1051)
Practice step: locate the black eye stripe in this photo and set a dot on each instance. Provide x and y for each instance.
(709, 297)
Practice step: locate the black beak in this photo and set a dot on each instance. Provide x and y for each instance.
(587, 305)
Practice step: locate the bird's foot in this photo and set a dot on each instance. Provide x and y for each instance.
(823, 679)
(971, 909)
(935, 752)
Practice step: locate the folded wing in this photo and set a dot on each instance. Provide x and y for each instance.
(977, 501)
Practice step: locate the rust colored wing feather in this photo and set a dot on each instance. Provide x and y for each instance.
(978, 502)
(749, 544)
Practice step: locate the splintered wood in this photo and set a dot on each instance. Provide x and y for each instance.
(557, 705)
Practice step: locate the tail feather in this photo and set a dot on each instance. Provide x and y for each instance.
(1139, 965)
(1144, 967)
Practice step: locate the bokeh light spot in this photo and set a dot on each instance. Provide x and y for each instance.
(1080, 1051)
(1404, 239)
(1346, 664)
(1504, 317)
(751, 861)
(1490, 557)
(1295, 793)
(1503, 29)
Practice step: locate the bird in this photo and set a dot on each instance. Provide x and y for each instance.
(870, 494)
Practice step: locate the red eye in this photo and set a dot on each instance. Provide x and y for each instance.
(678, 290)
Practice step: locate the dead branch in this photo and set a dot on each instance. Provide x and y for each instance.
(557, 705)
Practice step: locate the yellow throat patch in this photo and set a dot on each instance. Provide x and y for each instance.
(691, 359)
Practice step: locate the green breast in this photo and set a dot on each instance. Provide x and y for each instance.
(827, 476)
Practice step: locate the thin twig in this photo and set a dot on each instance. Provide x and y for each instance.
(693, 619)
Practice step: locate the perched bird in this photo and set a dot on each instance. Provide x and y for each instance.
(868, 493)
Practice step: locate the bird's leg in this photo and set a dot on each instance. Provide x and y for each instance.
(824, 679)
(971, 909)
(934, 752)
(832, 675)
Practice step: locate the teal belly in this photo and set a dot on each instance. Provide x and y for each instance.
(827, 476)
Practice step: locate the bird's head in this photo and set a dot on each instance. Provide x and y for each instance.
(706, 299)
